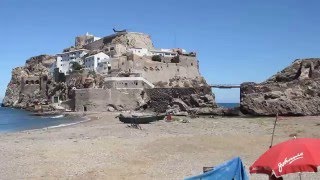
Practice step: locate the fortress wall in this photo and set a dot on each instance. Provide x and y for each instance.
(96, 45)
(99, 99)
(154, 71)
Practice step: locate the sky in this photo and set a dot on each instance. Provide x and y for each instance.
(235, 41)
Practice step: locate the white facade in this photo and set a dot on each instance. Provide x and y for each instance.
(104, 66)
(91, 62)
(163, 53)
(140, 51)
(91, 39)
(64, 60)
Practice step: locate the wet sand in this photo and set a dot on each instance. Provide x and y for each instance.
(104, 148)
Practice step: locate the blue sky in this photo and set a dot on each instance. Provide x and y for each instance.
(236, 41)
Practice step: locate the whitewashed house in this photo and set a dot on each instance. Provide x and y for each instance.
(91, 62)
(85, 39)
(91, 39)
(104, 66)
(163, 52)
(139, 51)
(64, 60)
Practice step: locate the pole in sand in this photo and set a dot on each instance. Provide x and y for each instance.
(274, 128)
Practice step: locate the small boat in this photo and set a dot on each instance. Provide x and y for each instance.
(138, 119)
(160, 116)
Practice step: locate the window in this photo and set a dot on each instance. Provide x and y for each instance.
(112, 48)
(98, 58)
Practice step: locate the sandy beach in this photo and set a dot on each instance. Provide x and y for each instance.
(104, 148)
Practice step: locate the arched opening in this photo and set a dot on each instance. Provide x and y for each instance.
(37, 82)
(32, 81)
(27, 82)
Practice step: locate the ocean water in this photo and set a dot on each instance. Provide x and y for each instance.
(12, 120)
(229, 105)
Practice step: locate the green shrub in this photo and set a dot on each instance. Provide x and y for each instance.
(76, 66)
(156, 58)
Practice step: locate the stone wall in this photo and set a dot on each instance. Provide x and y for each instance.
(166, 72)
(102, 99)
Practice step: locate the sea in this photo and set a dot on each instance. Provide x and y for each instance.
(229, 105)
(12, 120)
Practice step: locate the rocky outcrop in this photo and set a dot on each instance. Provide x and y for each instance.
(133, 39)
(177, 100)
(293, 91)
(24, 88)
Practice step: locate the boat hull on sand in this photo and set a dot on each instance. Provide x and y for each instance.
(140, 119)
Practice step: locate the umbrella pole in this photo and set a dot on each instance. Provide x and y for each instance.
(274, 128)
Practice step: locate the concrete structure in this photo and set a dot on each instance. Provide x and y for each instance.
(128, 83)
(104, 67)
(139, 51)
(80, 41)
(154, 72)
(91, 62)
(115, 50)
(64, 60)
(163, 52)
(100, 99)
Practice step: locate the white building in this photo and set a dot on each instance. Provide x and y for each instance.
(91, 62)
(85, 39)
(64, 60)
(91, 39)
(163, 52)
(140, 51)
(104, 66)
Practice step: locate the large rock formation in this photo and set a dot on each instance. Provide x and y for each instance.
(125, 39)
(28, 84)
(293, 91)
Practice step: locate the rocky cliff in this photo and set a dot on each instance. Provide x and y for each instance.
(293, 91)
(25, 83)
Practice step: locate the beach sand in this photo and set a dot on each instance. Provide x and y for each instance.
(104, 148)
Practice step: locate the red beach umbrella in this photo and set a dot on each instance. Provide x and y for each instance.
(295, 155)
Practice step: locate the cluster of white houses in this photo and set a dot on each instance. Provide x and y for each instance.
(100, 62)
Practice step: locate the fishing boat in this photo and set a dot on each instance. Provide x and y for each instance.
(140, 119)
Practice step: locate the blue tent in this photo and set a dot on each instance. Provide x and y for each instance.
(230, 170)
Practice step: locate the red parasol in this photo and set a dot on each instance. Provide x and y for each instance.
(296, 155)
